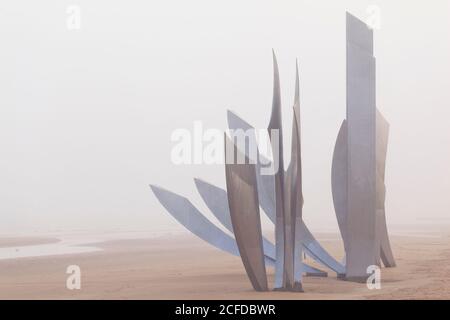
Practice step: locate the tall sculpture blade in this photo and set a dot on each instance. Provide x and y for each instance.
(186, 214)
(275, 125)
(382, 145)
(361, 128)
(296, 205)
(359, 162)
(244, 209)
(293, 198)
(293, 208)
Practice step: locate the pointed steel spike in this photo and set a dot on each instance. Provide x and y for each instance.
(276, 124)
(235, 122)
(297, 85)
(191, 218)
(276, 120)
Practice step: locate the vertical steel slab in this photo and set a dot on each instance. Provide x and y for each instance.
(361, 143)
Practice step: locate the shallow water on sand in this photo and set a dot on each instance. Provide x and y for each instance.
(69, 244)
(60, 248)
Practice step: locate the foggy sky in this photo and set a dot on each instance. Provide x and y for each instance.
(86, 115)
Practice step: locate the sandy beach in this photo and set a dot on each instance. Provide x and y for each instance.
(183, 267)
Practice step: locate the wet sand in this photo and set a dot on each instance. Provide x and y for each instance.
(183, 267)
(6, 242)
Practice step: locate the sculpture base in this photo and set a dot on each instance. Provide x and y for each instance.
(296, 288)
(316, 275)
(362, 279)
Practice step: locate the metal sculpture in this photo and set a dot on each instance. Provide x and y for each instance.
(359, 161)
(266, 185)
(358, 185)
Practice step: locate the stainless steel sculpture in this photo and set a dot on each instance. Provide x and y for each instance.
(288, 194)
(238, 211)
(358, 185)
(266, 191)
(359, 161)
